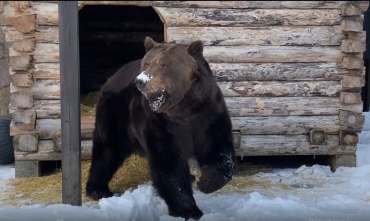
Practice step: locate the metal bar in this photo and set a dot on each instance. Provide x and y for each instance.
(70, 102)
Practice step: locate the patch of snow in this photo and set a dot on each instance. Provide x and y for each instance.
(7, 172)
(143, 76)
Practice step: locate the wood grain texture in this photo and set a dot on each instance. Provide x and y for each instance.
(287, 106)
(270, 54)
(246, 125)
(43, 89)
(278, 88)
(26, 143)
(353, 82)
(24, 23)
(23, 80)
(259, 145)
(25, 120)
(21, 100)
(25, 45)
(46, 71)
(247, 71)
(287, 125)
(243, 106)
(351, 26)
(352, 46)
(351, 120)
(281, 71)
(20, 63)
(46, 109)
(50, 89)
(352, 63)
(268, 36)
(350, 98)
(247, 17)
(260, 4)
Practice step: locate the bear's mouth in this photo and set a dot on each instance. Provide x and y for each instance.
(157, 101)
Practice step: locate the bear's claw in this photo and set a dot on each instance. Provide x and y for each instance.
(98, 194)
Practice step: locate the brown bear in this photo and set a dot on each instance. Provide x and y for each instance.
(166, 107)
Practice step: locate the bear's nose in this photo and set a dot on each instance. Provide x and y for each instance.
(141, 80)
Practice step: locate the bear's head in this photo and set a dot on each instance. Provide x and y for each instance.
(168, 72)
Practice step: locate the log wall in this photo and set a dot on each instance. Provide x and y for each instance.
(288, 70)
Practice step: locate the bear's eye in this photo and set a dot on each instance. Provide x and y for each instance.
(163, 66)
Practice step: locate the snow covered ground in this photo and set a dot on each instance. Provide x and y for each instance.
(315, 194)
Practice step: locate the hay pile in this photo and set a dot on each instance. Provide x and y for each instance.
(88, 104)
(48, 189)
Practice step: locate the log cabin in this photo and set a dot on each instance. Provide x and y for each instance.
(291, 72)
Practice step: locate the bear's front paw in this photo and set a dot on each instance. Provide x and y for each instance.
(211, 180)
(195, 214)
(98, 194)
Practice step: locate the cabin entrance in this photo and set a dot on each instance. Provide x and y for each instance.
(109, 37)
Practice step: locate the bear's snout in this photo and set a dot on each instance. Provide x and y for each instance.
(141, 80)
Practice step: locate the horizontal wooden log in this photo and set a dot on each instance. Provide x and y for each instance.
(43, 89)
(251, 17)
(351, 120)
(352, 63)
(46, 53)
(351, 26)
(47, 34)
(49, 53)
(259, 54)
(259, 145)
(287, 106)
(352, 46)
(26, 143)
(252, 145)
(281, 71)
(46, 128)
(46, 109)
(247, 71)
(23, 80)
(25, 120)
(24, 23)
(278, 88)
(257, 4)
(243, 106)
(21, 100)
(277, 125)
(46, 153)
(350, 98)
(25, 45)
(46, 71)
(353, 82)
(273, 35)
(49, 89)
(20, 63)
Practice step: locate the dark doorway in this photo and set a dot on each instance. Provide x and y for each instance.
(111, 36)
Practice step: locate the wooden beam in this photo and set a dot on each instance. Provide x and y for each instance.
(269, 36)
(237, 106)
(26, 143)
(277, 71)
(25, 120)
(250, 18)
(24, 23)
(70, 100)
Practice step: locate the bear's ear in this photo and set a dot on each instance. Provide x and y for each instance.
(149, 43)
(195, 49)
